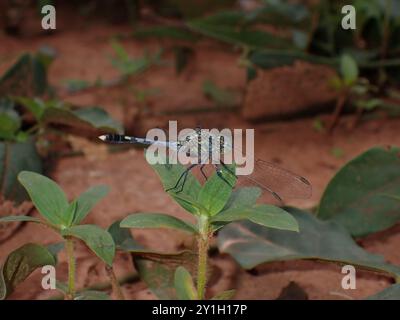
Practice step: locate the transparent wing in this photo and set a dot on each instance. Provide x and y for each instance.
(279, 182)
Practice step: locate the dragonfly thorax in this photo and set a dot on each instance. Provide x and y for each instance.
(205, 145)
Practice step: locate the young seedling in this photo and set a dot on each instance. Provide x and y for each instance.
(65, 218)
(214, 205)
(352, 88)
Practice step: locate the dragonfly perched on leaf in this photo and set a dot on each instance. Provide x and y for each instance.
(274, 181)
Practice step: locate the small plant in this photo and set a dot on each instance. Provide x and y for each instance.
(353, 89)
(31, 116)
(214, 205)
(65, 218)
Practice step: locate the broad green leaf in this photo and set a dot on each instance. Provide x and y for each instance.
(348, 69)
(214, 194)
(390, 293)
(20, 264)
(122, 237)
(356, 197)
(16, 157)
(243, 197)
(184, 286)
(19, 219)
(264, 215)
(252, 245)
(155, 268)
(225, 295)
(93, 118)
(156, 220)
(87, 200)
(70, 213)
(97, 239)
(169, 175)
(92, 295)
(47, 197)
(55, 249)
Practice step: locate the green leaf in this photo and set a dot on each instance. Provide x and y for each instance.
(264, 215)
(155, 268)
(19, 219)
(243, 197)
(214, 194)
(169, 175)
(55, 249)
(97, 239)
(156, 220)
(171, 32)
(252, 245)
(390, 293)
(20, 264)
(348, 69)
(27, 77)
(128, 65)
(225, 295)
(70, 213)
(76, 85)
(47, 197)
(10, 121)
(356, 196)
(34, 105)
(16, 157)
(271, 58)
(93, 118)
(238, 36)
(220, 96)
(184, 285)
(92, 295)
(87, 200)
(122, 237)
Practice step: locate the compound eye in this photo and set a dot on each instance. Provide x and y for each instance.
(187, 139)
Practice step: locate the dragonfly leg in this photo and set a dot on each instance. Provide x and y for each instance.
(202, 172)
(219, 174)
(182, 176)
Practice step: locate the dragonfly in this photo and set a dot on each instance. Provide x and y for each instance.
(273, 180)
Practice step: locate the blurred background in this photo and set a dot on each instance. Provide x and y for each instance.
(317, 95)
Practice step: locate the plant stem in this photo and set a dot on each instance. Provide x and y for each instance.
(386, 28)
(340, 102)
(116, 288)
(71, 268)
(203, 244)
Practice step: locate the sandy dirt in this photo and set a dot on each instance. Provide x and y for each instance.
(83, 53)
